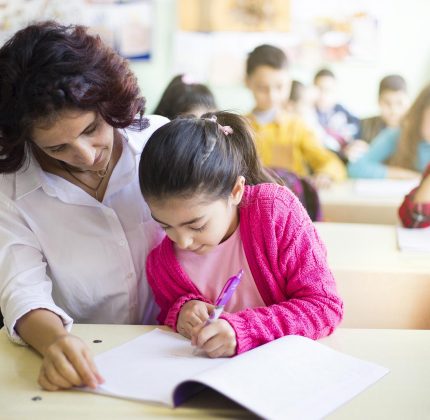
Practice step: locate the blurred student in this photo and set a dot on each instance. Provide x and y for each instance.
(341, 126)
(184, 96)
(415, 209)
(393, 103)
(301, 102)
(399, 152)
(283, 140)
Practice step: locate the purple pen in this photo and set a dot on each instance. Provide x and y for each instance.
(225, 295)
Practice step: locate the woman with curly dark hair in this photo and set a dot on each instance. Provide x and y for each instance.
(74, 232)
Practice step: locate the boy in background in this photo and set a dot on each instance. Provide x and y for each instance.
(393, 103)
(284, 141)
(341, 126)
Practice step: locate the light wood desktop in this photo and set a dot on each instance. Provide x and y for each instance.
(403, 393)
(381, 286)
(345, 202)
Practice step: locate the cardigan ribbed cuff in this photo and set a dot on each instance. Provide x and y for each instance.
(173, 314)
(244, 340)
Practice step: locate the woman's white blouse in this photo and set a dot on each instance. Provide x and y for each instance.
(62, 250)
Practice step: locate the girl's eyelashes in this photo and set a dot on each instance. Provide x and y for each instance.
(200, 229)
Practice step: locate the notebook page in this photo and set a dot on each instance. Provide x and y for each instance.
(149, 367)
(415, 240)
(292, 377)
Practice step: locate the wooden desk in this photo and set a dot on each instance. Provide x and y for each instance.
(345, 202)
(401, 394)
(381, 286)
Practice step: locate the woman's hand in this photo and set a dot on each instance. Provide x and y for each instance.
(67, 362)
(66, 359)
(192, 314)
(218, 339)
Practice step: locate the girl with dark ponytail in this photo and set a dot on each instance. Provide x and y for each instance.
(222, 212)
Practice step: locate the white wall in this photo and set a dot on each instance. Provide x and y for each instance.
(404, 49)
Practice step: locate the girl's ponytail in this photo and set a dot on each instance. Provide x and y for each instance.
(242, 139)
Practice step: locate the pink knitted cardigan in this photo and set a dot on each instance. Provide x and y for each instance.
(288, 263)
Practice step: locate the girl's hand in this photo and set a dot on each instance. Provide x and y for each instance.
(67, 362)
(192, 314)
(217, 339)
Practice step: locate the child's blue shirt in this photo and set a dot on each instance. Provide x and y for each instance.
(371, 165)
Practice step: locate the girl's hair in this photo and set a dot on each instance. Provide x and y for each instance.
(47, 68)
(182, 95)
(405, 155)
(190, 156)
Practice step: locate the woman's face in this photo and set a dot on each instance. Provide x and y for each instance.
(82, 139)
(425, 125)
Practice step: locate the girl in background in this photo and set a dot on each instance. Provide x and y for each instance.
(221, 213)
(399, 153)
(184, 96)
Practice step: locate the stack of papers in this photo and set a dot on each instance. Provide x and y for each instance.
(416, 240)
(292, 377)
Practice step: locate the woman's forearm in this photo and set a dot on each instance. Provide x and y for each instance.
(40, 328)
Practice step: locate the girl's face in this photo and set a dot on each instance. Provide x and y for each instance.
(425, 125)
(197, 224)
(80, 139)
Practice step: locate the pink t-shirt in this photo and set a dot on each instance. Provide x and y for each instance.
(210, 271)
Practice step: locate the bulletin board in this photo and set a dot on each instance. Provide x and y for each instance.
(125, 25)
(214, 37)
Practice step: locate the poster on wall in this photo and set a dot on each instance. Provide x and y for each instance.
(312, 32)
(125, 25)
(234, 15)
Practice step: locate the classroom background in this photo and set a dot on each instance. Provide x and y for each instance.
(389, 37)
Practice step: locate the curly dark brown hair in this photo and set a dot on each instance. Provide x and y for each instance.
(47, 68)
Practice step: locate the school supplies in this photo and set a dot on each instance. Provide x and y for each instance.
(292, 377)
(414, 240)
(224, 296)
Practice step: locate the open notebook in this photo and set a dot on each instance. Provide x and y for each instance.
(292, 377)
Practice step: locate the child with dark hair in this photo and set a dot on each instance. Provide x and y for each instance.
(221, 213)
(283, 140)
(184, 96)
(393, 103)
(341, 126)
